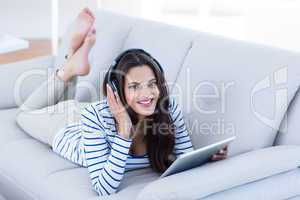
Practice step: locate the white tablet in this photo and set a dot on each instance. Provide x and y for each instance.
(196, 158)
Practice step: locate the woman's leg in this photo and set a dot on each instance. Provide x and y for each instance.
(57, 89)
(45, 112)
(35, 116)
(52, 91)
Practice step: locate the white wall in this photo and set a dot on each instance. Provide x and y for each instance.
(30, 18)
(127, 7)
(271, 22)
(34, 18)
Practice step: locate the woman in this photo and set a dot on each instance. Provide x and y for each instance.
(137, 125)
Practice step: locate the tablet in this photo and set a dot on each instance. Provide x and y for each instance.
(196, 158)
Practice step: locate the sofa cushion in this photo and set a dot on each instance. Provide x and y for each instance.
(169, 47)
(294, 198)
(287, 186)
(222, 175)
(59, 188)
(229, 87)
(28, 162)
(45, 175)
(289, 128)
(30, 169)
(19, 79)
(10, 129)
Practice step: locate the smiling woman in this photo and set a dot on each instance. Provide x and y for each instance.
(144, 104)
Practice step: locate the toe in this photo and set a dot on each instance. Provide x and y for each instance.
(89, 12)
(86, 10)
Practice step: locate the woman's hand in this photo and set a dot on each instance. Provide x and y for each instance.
(124, 124)
(220, 155)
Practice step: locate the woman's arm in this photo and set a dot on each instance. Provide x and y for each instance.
(106, 164)
(182, 139)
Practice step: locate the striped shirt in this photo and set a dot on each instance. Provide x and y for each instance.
(94, 143)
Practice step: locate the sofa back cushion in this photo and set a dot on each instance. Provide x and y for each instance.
(168, 44)
(229, 87)
(288, 133)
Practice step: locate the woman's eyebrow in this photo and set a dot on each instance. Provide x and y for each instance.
(133, 83)
(151, 80)
(136, 83)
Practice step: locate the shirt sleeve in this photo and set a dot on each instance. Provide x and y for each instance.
(105, 163)
(183, 142)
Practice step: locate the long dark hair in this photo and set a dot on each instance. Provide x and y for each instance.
(157, 129)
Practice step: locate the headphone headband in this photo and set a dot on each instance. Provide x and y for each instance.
(115, 63)
(133, 50)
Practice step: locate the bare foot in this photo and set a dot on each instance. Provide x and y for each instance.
(78, 63)
(81, 26)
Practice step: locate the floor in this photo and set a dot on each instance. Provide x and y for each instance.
(37, 48)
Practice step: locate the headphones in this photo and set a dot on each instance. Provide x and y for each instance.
(112, 69)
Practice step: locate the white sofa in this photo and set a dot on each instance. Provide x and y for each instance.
(224, 87)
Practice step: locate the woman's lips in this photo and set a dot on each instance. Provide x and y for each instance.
(145, 102)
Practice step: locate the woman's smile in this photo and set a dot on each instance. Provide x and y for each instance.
(147, 102)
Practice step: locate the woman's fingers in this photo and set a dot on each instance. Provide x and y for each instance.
(110, 97)
(114, 101)
(223, 151)
(119, 102)
(108, 92)
(225, 148)
(216, 157)
(221, 154)
(117, 96)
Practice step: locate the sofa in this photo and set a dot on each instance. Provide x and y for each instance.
(224, 86)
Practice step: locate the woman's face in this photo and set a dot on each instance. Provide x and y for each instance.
(141, 91)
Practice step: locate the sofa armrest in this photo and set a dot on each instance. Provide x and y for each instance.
(19, 79)
(222, 175)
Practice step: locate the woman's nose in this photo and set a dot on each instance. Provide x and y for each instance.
(146, 92)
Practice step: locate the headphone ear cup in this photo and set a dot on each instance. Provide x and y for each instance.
(114, 86)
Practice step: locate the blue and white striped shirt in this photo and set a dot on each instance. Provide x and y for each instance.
(94, 143)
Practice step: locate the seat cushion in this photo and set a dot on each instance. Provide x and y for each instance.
(76, 185)
(294, 198)
(281, 186)
(30, 169)
(10, 129)
(26, 163)
(218, 176)
(2, 197)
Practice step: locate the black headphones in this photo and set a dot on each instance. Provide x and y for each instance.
(110, 77)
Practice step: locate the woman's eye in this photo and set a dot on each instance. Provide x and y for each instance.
(153, 84)
(134, 87)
